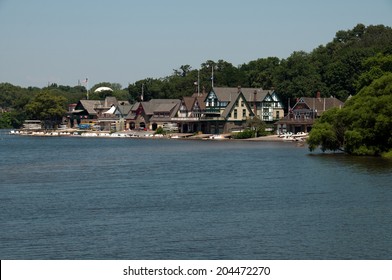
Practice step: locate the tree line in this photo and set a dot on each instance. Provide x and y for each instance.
(364, 125)
(341, 68)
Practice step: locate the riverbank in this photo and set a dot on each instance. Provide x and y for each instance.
(151, 135)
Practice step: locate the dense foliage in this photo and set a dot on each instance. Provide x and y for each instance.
(333, 69)
(254, 127)
(340, 68)
(363, 126)
(47, 107)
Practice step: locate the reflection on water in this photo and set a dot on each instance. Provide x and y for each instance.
(371, 165)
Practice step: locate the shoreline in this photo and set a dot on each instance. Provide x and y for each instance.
(150, 135)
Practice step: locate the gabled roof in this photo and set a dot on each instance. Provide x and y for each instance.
(132, 112)
(168, 106)
(320, 104)
(89, 106)
(188, 102)
(201, 97)
(155, 105)
(227, 93)
(124, 109)
(160, 105)
(109, 101)
(200, 101)
(260, 96)
(164, 107)
(229, 108)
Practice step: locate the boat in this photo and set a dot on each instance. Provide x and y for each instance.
(216, 137)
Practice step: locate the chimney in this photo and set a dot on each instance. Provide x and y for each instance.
(254, 104)
(318, 94)
(239, 89)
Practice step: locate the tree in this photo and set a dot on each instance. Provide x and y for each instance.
(47, 107)
(116, 91)
(254, 128)
(5, 120)
(362, 127)
(257, 125)
(183, 71)
(375, 67)
(260, 73)
(297, 76)
(326, 132)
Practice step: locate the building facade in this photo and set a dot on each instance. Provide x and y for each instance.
(222, 110)
(305, 111)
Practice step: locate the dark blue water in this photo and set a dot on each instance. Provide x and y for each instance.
(89, 198)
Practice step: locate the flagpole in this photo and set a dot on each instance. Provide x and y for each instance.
(212, 77)
(87, 88)
(198, 82)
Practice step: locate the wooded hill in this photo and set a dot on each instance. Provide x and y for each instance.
(340, 68)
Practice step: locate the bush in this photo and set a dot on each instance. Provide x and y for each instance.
(247, 133)
(387, 155)
(160, 130)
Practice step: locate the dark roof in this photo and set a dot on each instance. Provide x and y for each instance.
(200, 101)
(170, 106)
(124, 109)
(188, 102)
(227, 93)
(250, 96)
(91, 105)
(320, 104)
(160, 105)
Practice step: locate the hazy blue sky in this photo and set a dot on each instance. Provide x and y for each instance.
(122, 41)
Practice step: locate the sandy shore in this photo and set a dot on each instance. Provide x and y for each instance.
(273, 138)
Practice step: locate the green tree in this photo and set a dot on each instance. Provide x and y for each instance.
(297, 76)
(47, 107)
(375, 67)
(5, 120)
(257, 126)
(115, 91)
(326, 132)
(260, 73)
(363, 126)
(254, 127)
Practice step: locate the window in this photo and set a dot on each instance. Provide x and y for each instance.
(235, 113)
(277, 114)
(244, 113)
(242, 103)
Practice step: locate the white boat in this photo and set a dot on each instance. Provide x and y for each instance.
(217, 137)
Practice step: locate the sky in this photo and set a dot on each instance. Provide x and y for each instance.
(123, 41)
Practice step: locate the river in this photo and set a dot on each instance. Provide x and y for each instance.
(123, 198)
